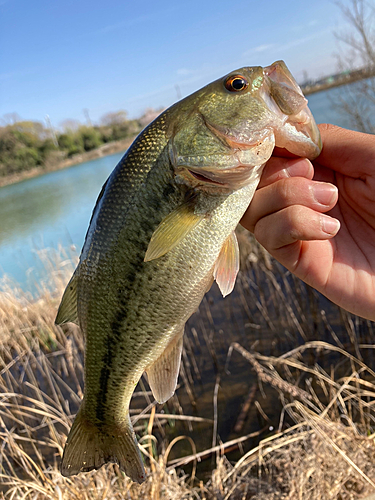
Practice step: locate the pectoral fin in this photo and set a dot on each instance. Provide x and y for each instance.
(163, 373)
(67, 312)
(172, 230)
(227, 265)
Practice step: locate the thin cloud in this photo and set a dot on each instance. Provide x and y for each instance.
(7, 76)
(200, 76)
(260, 48)
(263, 48)
(123, 24)
(131, 22)
(303, 27)
(288, 45)
(11, 75)
(305, 39)
(185, 71)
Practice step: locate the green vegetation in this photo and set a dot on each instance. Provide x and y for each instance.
(25, 145)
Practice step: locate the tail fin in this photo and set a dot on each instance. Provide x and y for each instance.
(90, 446)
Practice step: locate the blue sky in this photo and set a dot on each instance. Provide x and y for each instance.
(60, 57)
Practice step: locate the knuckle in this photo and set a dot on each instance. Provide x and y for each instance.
(296, 214)
(295, 221)
(286, 191)
(292, 218)
(262, 230)
(293, 191)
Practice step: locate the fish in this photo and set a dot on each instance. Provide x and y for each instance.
(161, 232)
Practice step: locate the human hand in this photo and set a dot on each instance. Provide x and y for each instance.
(296, 214)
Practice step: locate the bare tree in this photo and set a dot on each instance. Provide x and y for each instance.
(360, 40)
(357, 52)
(10, 119)
(114, 118)
(70, 125)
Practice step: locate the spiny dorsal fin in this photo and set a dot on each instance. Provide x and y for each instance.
(227, 265)
(172, 230)
(163, 373)
(67, 312)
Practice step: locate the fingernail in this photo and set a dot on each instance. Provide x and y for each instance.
(300, 167)
(330, 225)
(324, 193)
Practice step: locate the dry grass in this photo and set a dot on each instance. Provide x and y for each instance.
(324, 445)
(329, 452)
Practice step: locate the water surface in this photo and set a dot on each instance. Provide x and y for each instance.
(55, 208)
(46, 211)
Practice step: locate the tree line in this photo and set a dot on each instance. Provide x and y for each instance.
(25, 145)
(28, 144)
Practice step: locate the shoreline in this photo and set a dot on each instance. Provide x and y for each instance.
(123, 144)
(344, 79)
(104, 150)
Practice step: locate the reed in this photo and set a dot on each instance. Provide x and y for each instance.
(298, 364)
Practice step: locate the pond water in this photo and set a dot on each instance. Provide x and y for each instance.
(55, 208)
(46, 211)
(267, 312)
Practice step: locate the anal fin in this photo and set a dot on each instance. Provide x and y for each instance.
(163, 373)
(227, 265)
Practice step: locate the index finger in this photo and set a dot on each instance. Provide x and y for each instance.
(278, 168)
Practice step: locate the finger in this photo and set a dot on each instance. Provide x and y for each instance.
(302, 241)
(278, 168)
(293, 224)
(351, 153)
(318, 196)
(283, 152)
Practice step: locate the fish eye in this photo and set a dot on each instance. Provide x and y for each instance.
(236, 83)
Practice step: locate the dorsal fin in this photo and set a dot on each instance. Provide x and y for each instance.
(227, 265)
(67, 312)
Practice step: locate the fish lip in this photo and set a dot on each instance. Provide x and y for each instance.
(203, 178)
(228, 179)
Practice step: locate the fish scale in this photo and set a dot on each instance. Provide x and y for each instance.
(161, 231)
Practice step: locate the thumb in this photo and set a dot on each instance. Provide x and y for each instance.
(348, 152)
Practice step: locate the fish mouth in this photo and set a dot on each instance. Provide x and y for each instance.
(244, 161)
(205, 179)
(227, 179)
(232, 169)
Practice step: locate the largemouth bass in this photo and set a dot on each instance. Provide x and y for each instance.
(161, 232)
